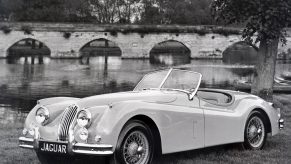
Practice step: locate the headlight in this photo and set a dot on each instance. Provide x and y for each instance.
(42, 115)
(84, 118)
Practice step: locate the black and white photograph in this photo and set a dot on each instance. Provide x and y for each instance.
(145, 81)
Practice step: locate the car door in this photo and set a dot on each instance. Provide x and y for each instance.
(222, 124)
(182, 124)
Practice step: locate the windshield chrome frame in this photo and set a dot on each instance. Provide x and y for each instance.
(190, 94)
(168, 74)
(163, 81)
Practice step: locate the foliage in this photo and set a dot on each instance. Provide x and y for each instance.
(67, 35)
(263, 19)
(110, 11)
(226, 31)
(176, 12)
(46, 10)
(115, 11)
(26, 29)
(146, 29)
(6, 29)
(113, 33)
(264, 22)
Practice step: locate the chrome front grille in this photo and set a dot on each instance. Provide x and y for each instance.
(66, 120)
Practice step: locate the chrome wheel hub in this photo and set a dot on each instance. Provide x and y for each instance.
(255, 132)
(133, 148)
(136, 148)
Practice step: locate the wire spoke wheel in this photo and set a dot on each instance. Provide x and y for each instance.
(255, 132)
(135, 145)
(136, 148)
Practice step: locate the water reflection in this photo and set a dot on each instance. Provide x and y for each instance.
(37, 59)
(169, 59)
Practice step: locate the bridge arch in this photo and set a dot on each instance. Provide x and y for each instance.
(162, 40)
(100, 47)
(28, 51)
(170, 52)
(240, 52)
(16, 41)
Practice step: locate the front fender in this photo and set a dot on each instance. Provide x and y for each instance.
(259, 103)
(115, 117)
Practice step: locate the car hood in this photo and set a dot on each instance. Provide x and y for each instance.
(109, 99)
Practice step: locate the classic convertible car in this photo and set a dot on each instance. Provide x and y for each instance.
(165, 113)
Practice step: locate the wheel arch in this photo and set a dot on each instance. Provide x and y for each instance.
(266, 118)
(154, 128)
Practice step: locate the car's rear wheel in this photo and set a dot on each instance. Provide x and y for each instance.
(255, 134)
(135, 144)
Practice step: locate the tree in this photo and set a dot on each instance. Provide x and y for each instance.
(105, 11)
(264, 21)
(150, 13)
(47, 10)
(115, 11)
(8, 6)
(194, 12)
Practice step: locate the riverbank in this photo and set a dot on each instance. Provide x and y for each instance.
(277, 149)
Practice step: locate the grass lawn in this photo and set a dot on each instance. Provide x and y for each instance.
(277, 148)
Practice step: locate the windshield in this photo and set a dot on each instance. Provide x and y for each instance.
(170, 79)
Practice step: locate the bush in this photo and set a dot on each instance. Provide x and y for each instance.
(6, 29)
(26, 29)
(200, 30)
(113, 33)
(226, 31)
(67, 35)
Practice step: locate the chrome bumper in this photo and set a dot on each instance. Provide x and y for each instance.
(73, 148)
(281, 123)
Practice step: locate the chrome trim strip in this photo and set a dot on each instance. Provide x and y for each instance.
(26, 146)
(24, 139)
(25, 142)
(92, 145)
(92, 149)
(93, 152)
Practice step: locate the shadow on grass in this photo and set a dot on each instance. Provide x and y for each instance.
(210, 154)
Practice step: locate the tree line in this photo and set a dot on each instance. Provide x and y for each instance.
(192, 12)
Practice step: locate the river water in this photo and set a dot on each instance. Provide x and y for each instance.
(25, 80)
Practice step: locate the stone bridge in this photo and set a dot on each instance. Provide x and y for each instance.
(135, 41)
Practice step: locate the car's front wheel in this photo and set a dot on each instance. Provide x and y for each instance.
(135, 144)
(255, 131)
